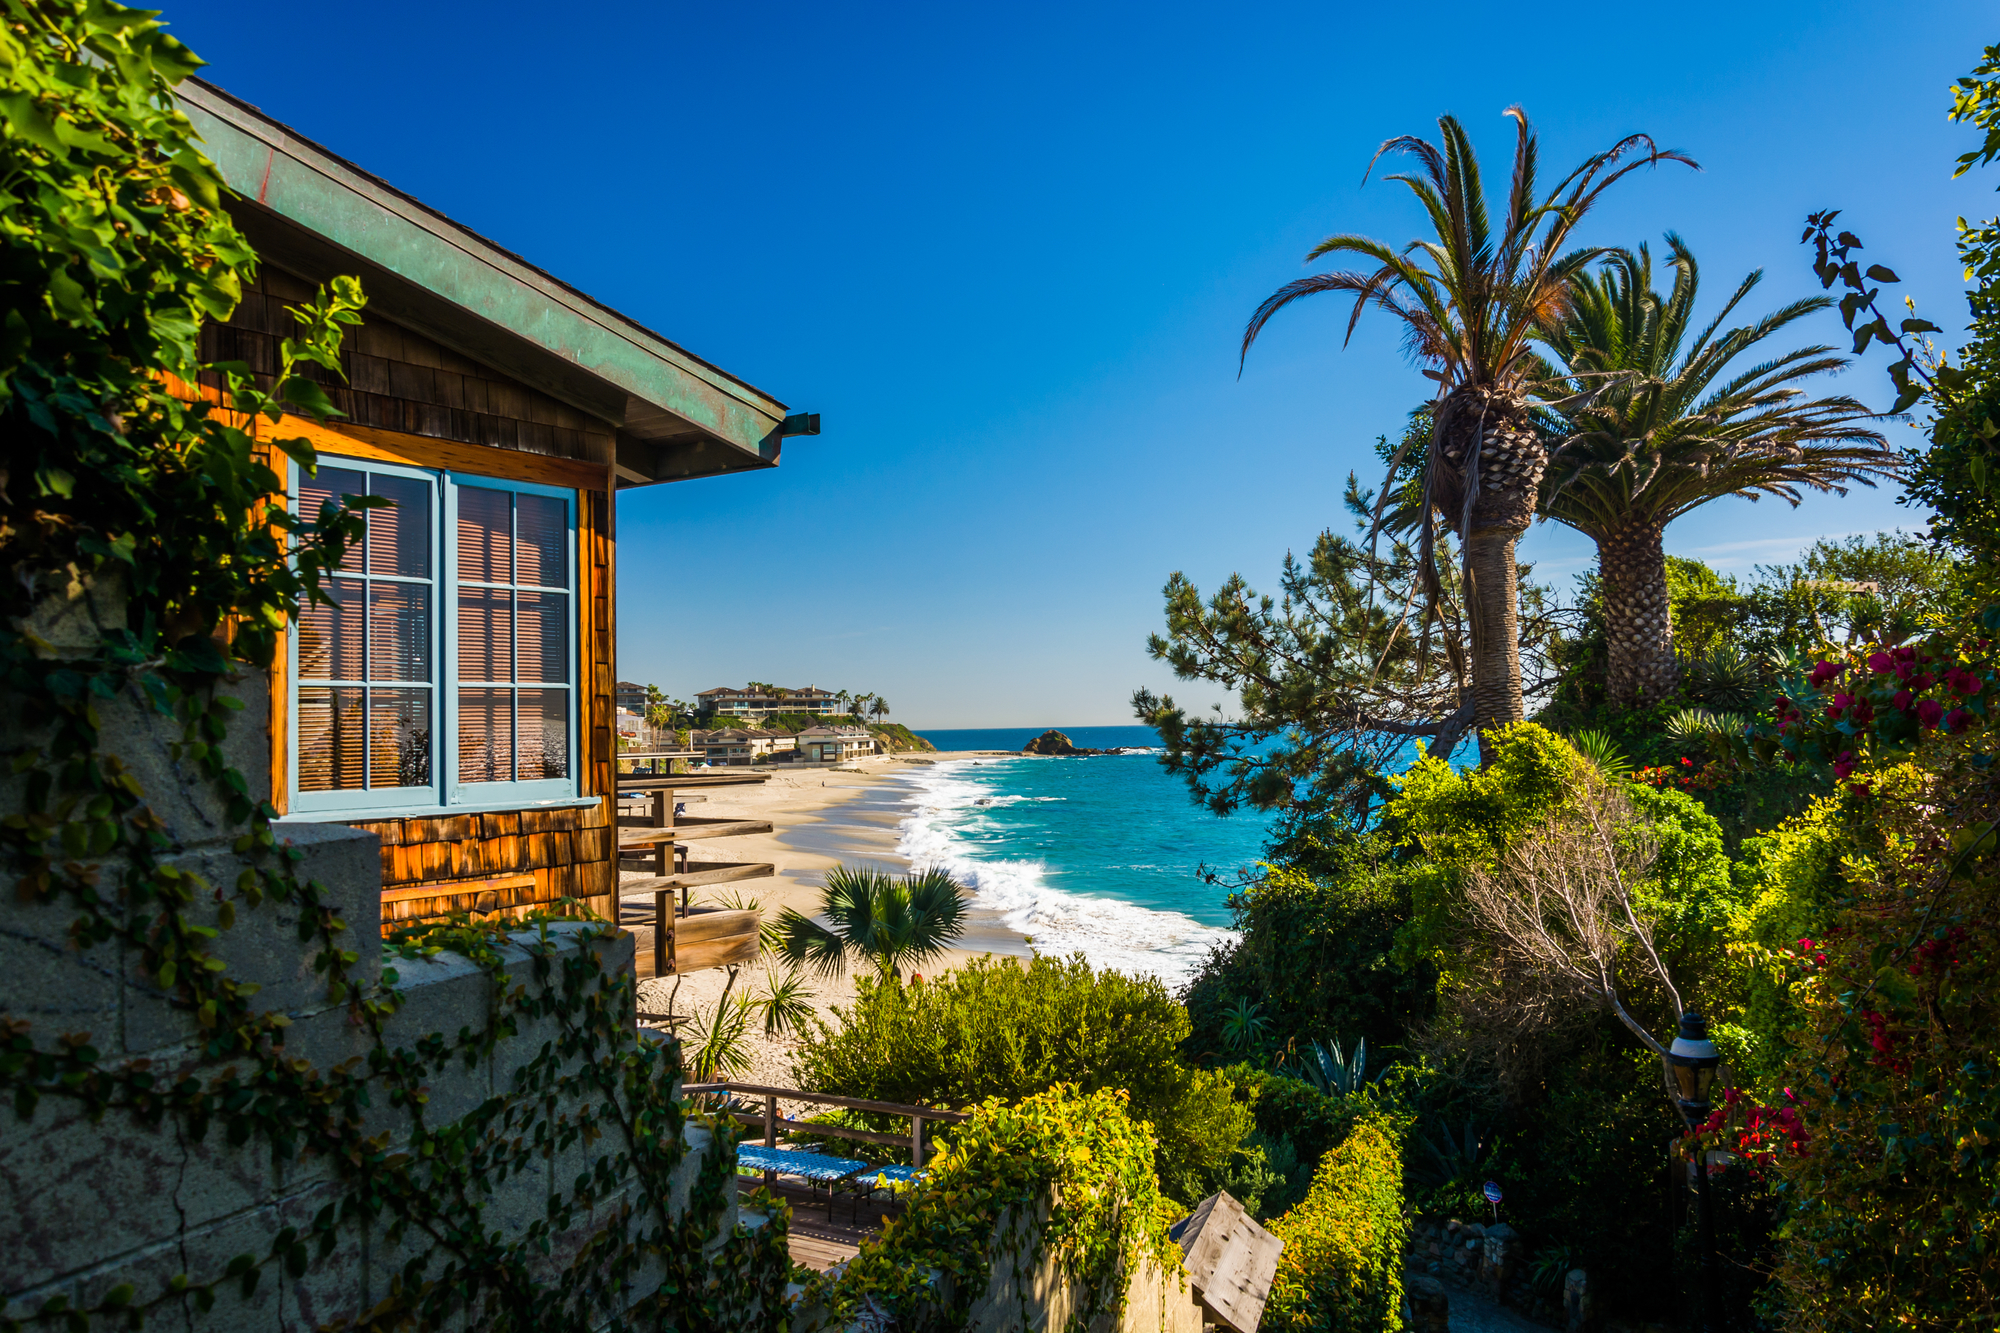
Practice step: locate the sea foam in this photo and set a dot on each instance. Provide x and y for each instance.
(946, 806)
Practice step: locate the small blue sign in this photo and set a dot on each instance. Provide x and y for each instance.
(1492, 1192)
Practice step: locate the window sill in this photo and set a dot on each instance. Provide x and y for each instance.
(431, 811)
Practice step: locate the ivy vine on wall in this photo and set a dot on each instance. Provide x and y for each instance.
(150, 511)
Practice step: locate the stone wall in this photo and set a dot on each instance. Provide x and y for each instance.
(87, 1207)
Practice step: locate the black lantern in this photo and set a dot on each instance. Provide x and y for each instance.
(1693, 1059)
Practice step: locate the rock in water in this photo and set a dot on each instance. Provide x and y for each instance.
(1054, 742)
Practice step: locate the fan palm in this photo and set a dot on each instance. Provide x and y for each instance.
(887, 921)
(880, 708)
(1666, 420)
(1471, 300)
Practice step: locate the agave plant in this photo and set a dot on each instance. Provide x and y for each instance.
(1330, 1071)
(1450, 1160)
(1603, 753)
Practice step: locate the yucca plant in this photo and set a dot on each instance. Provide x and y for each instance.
(785, 1006)
(1721, 678)
(1451, 1159)
(887, 921)
(1243, 1026)
(720, 1046)
(1603, 753)
(1698, 724)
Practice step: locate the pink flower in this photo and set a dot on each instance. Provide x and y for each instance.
(1929, 713)
(1881, 662)
(1844, 765)
(1901, 703)
(1957, 720)
(1962, 682)
(1825, 672)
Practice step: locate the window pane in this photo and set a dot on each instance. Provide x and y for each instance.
(330, 637)
(330, 739)
(328, 487)
(485, 535)
(544, 734)
(485, 735)
(399, 738)
(399, 631)
(542, 547)
(485, 634)
(544, 631)
(399, 539)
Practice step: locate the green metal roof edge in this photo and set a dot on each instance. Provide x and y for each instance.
(296, 178)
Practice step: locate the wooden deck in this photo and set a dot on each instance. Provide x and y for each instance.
(814, 1241)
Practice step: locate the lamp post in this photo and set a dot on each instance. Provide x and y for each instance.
(1692, 1059)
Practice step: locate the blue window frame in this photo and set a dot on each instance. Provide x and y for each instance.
(445, 674)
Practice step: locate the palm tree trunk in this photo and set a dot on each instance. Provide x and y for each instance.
(1509, 463)
(1632, 569)
(1494, 606)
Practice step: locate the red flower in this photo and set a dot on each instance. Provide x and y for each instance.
(1962, 682)
(1880, 663)
(1901, 703)
(1825, 672)
(1957, 720)
(1929, 713)
(1844, 765)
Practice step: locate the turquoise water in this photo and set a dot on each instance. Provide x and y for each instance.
(1096, 855)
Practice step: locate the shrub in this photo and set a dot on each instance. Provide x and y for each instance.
(1342, 1266)
(1081, 1151)
(995, 1029)
(1314, 935)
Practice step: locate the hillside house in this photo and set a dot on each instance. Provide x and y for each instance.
(739, 745)
(833, 744)
(458, 700)
(752, 704)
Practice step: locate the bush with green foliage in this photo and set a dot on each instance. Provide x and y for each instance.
(1313, 951)
(1342, 1265)
(1081, 1153)
(993, 1028)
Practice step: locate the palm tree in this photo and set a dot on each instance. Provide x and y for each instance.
(885, 920)
(1664, 422)
(880, 708)
(1471, 302)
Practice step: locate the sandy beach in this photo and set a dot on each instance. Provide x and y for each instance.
(820, 818)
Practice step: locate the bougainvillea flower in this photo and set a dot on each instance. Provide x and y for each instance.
(1844, 765)
(1824, 672)
(1880, 663)
(1957, 720)
(1929, 712)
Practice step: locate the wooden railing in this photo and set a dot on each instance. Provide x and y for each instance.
(771, 1122)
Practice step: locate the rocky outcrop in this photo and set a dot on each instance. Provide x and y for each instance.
(1054, 742)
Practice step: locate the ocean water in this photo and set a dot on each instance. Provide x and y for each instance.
(1097, 855)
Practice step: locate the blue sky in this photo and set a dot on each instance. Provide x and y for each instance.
(1007, 252)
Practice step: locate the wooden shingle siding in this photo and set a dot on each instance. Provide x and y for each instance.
(508, 861)
(399, 380)
(568, 851)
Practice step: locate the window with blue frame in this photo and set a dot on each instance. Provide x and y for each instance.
(444, 673)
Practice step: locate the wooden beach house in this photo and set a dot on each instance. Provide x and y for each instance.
(459, 699)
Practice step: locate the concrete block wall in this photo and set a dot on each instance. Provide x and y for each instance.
(85, 1207)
